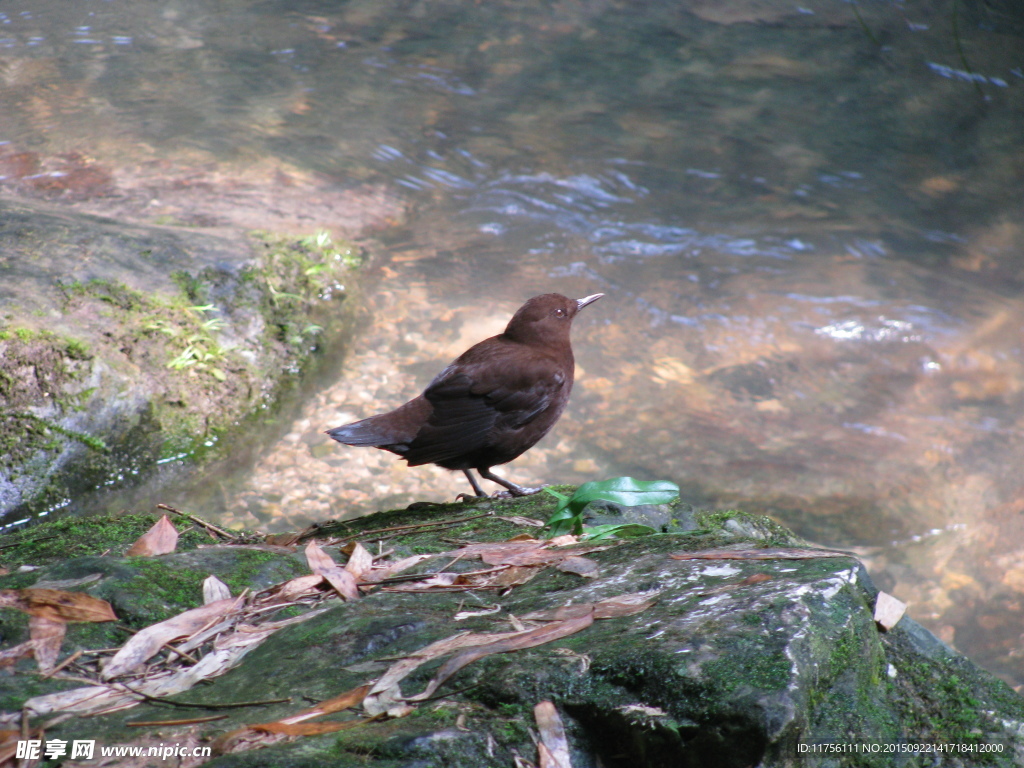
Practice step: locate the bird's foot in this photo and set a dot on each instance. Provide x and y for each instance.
(519, 491)
(469, 498)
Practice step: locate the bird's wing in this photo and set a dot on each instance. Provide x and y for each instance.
(471, 400)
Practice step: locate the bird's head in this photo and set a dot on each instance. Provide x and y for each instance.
(546, 319)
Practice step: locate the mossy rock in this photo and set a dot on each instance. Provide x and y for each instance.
(151, 351)
(738, 662)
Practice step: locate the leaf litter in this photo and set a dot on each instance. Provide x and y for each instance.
(149, 666)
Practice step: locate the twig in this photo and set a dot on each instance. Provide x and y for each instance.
(189, 721)
(27, 541)
(199, 521)
(73, 657)
(182, 654)
(191, 705)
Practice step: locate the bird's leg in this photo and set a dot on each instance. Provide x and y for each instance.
(515, 490)
(476, 486)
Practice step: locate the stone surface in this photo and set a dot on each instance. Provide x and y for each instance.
(739, 662)
(128, 346)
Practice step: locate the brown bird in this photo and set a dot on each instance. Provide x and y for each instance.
(489, 406)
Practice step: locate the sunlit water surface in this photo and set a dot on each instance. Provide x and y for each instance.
(807, 220)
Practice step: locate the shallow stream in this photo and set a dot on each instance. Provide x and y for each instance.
(807, 219)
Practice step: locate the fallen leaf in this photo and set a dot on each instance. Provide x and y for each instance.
(430, 580)
(553, 749)
(145, 643)
(214, 589)
(342, 581)
(359, 562)
(462, 615)
(581, 566)
(47, 635)
(385, 693)
(888, 611)
(518, 642)
(161, 539)
(393, 569)
(10, 655)
(265, 734)
(283, 539)
(500, 577)
(293, 589)
(534, 555)
(57, 604)
(609, 608)
(564, 540)
(112, 697)
(346, 700)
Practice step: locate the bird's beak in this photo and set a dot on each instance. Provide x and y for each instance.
(581, 303)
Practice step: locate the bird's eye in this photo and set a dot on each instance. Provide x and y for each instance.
(559, 313)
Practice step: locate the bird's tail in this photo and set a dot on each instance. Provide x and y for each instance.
(359, 433)
(391, 431)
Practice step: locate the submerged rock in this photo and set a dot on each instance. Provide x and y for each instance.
(740, 661)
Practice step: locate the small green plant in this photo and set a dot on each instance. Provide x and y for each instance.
(568, 517)
(201, 351)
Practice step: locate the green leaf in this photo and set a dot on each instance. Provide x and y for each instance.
(568, 516)
(620, 530)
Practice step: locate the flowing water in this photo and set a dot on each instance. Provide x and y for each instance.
(808, 220)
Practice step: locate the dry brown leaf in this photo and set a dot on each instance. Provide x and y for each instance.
(438, 580)
(581, 566)
(393, 569)
(47, 635)
(342, 581)
(462, 615)
(283, 539)
(108, 698)
(888, 611)
(495, 548)
(244, 739)
(518, 642)
(346, 700)
(318, 560)
(359, 562)
(533, 555)
(10, 655)
(301, 586)
(161, 539)
(385, 693)
(553, 749)
(564, 540)
(57, 604)
(214, 589)
(624, 605)
(512, 576)
(772, 553)
(144, 644)
(311, 729)
(265, 734)
(609, 608)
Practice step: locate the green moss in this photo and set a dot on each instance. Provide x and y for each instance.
(64, 538)
(757, 527)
